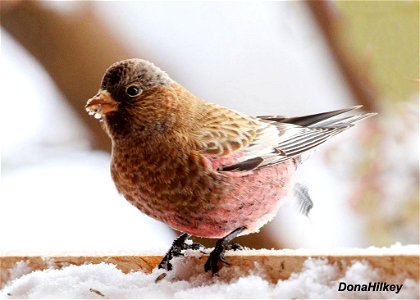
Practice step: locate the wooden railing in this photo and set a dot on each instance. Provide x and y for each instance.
(273, 266)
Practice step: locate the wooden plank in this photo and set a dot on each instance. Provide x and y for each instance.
(275, 267)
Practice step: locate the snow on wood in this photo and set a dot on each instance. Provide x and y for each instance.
(332, 274)
(273, 267)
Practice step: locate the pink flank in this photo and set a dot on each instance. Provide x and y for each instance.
(251, 199)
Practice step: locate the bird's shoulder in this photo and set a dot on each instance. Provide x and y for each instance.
(222, 131)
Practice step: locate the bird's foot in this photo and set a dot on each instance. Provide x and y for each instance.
(217, 255)
(175, 250)
(234, 247)
(195, 246)
(178, 245)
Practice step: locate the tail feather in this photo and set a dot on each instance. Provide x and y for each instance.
(309, 120)
(347, 121)
(293, 136)
(304, 133)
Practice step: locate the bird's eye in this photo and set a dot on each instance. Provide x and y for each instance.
(133, 91)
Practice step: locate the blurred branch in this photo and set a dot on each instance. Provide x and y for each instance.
(332, 27)
(75, 48)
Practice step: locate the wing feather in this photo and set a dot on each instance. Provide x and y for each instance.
(236, 142)
(224, 131)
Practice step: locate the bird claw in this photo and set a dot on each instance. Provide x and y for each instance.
(174, 251)
(178, 245)
(217, 255)
(165, 263)
(223, 260)
(234, 247)
(195, 246)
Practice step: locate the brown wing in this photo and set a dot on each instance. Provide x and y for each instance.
(241, 143)
(223, 131)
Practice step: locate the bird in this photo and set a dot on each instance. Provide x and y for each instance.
(201, 168)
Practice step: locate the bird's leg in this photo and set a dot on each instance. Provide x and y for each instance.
(174, 251)
(178, 245)
(223, 244)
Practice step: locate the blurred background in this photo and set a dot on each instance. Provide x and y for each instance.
(258, 57)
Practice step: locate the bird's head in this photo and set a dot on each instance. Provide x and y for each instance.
(129, 94)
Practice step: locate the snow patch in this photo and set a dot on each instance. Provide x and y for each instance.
(318, 279)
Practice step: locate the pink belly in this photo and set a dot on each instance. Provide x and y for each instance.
(251, 200)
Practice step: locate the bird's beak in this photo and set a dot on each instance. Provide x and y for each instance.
(101, 104)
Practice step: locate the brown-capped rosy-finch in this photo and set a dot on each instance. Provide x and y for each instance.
(203, 169)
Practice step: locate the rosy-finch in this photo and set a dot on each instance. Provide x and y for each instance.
(203, 169)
